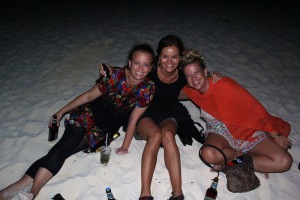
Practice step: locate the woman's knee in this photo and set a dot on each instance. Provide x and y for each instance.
(284, 162)
(168, 137)
(153, 139)
(211, 155)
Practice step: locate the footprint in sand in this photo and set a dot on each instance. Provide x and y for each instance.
(12, 131)
(11, 128)
(130, 177)
(126, 160)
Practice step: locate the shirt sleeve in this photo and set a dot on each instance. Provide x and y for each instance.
(146, 94)
(103, 84)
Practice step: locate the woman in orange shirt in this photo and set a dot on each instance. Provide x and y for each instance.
(237, 123)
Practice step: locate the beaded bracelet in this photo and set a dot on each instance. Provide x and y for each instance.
(276, 136)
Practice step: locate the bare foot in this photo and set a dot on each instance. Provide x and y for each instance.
(266, 175)
(24, 195)
(12, 190)
(7, 194)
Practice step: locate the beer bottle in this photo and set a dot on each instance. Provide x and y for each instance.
(53, 131)
(115, 136)
(109, 194)
(110, 138)
(211, 193)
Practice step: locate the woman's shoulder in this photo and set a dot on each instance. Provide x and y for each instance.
(118, 73)
(227, 82)
(118, 70)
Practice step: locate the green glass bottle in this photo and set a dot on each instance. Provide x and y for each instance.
(109, 194)
(211, 193)
(53, 131)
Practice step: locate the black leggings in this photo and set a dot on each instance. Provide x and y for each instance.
(72, 141)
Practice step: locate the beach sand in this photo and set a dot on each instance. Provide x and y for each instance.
(50, 53)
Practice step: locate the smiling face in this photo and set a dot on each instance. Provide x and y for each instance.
(139, 66)
(196, 77)
(169, 58)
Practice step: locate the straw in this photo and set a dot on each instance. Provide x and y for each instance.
(106, 140)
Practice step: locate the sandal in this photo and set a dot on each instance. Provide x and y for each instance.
(146, 198)
(180, 197)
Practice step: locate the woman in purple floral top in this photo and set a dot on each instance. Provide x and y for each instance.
(112, 102)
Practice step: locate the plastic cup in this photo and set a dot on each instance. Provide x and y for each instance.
(105, 155)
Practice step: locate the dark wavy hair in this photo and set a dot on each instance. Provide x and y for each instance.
(169, 41)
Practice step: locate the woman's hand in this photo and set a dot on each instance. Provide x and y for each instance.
(121, 151)
(216, 76)
(104, 70)
(59, 117)
(282, 141)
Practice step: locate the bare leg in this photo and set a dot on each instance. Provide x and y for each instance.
(41, 178)
(171, 154)
(10, 191)
(150, 132)
(213, 156)
(270, 157)
(22, 195)
(56, 156)
(267, 155)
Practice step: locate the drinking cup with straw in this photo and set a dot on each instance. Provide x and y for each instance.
(105, 152)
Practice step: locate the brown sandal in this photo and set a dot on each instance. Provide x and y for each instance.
(146, 198)
(180, 197)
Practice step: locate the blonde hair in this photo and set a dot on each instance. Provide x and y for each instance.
(190, 56)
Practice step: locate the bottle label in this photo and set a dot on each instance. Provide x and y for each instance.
(214, 185)
(110, 196)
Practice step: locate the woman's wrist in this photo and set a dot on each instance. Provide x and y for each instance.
(123, 149)
(276, 136)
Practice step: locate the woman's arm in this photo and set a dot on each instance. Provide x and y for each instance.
(135, 115)
(182, 96)
(85, 97)
(106, 70)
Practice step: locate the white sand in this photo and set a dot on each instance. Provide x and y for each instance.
(50, 53)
